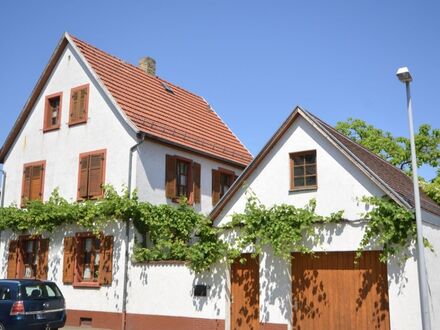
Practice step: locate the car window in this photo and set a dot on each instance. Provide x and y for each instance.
(37, 291)
(5, 293)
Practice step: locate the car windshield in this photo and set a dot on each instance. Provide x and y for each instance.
(40, 290)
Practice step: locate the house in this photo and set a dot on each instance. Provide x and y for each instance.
(93, 119)
(306, 158)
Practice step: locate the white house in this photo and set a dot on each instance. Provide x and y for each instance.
(94, 119)
(329, 292)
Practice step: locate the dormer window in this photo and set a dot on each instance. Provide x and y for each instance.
(79, 105)
(303, 174)
(52, 112)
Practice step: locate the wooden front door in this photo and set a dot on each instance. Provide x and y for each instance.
(245, 294)
(330, 292)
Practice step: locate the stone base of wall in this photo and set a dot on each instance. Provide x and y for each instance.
(113, 321)
(160, 322)
(272, 326)
(105, 320)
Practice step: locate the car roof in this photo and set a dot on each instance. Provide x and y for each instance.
(23, 281)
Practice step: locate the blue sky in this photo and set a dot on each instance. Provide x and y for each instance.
(252, 60)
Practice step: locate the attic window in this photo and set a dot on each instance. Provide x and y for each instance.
(167, 88)
(303, 170)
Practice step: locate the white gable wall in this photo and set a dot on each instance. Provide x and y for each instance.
(61, 148)
(340, 186)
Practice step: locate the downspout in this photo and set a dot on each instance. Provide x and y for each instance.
(141, 137)
(2, 196)
(2, 202)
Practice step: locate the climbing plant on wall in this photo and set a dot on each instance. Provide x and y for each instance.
(180, 233)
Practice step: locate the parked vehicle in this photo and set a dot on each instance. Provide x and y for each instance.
(31, 304)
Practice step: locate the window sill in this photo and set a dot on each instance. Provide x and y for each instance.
(77, 123)
(95, 285)
(177, 201)
(50, 129)
(303, 189)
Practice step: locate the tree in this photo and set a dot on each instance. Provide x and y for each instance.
(396, 150)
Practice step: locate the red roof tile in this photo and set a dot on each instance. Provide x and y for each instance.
(179, 117)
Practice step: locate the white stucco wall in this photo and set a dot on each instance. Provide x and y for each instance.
(150, 174)
(340, 186)
(431, 230)
(106, 298)
(61, 148)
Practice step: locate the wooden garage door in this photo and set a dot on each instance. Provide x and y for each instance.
(331, 292)
(245, 294)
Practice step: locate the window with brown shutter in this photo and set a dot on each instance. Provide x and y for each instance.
(303, 173)
(28, 257)
(33, 182)
(182, 178)
(222, 180)
(79, 104)
(52, 112)
(88, 260)
(91, 175)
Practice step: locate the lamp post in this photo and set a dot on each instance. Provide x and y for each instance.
(405, 77)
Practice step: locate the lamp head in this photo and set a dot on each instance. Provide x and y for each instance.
(404, 75)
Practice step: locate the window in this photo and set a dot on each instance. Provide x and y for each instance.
(91, 175)
(79, 104)
(52, 112)
(303, 170)
(88, 259)
(33, 182)
(222, 180)
(28, 257)
(182, 178)
(5, 293)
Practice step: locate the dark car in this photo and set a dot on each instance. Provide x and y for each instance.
(31, 304)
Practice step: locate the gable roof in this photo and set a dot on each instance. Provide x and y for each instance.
(178, 117)
(390, 179)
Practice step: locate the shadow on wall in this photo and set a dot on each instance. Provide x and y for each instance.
(215, 281)
(328, 288)
(275, 286)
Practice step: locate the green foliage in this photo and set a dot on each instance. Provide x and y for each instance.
(283, 227)
(432, 189)
(395, 150)
(390, 226)
(178, 233)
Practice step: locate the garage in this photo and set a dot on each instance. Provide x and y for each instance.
(330, 291)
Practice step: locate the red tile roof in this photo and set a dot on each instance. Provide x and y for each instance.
(179, 117)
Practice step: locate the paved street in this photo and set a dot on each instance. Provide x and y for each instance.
(81, 328)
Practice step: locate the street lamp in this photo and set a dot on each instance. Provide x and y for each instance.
(405, 77)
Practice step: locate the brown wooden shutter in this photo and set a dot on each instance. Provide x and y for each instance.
(215, 186)
(43, 259)
(12, 259)
(83, 177)
(69, 260)
(106, 262)
(26, 186)
(74, 107)
(96, 174)
(82, 104)
(196, 180)
(36, 183)
(170, 177)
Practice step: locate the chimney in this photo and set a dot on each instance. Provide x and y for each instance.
(148, 64)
